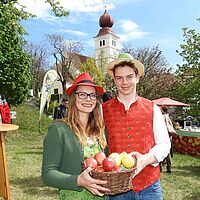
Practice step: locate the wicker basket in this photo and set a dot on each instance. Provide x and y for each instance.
(118, 181)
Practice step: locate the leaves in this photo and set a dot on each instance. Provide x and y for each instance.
(189, 72)
(14, 62)
(57, 9)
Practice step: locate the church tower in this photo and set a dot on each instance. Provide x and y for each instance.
(106, 42)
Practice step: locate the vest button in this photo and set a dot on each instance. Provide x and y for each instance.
(128, 145)
(129, 136)
(129, 128)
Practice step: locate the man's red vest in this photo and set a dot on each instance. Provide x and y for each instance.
(132, 130)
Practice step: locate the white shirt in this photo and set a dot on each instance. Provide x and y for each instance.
(162, 141)
(163, 144)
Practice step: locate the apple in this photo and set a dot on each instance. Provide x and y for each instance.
(118, 168)
(123, 154)
(99, 169)
(128, 161)
(109, 164)
(116, 157)
(90, 162)
(99, 157)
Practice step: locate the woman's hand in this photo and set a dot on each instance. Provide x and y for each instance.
(91, 184)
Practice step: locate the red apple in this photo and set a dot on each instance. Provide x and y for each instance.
(109, 164)
(99, 157)
(90, 162)
(99, 169)
(118, 168)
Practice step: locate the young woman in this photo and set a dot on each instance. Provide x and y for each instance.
(69, 141)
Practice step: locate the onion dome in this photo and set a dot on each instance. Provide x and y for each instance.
(105, 22)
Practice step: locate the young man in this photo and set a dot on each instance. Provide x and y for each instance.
(136, 125)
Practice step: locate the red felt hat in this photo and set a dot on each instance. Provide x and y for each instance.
(84, 80)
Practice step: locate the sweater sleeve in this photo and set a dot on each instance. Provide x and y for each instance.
(52, 155)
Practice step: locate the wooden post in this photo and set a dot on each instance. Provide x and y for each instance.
(4, 180)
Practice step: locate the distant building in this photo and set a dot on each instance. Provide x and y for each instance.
(106, 42)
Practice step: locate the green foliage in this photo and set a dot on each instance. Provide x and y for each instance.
(110, 85)
(14, 63)
(57, 9)
(189, 72)
(52, 106)
(94, 71)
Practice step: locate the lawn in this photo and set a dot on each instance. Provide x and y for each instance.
(24, 157)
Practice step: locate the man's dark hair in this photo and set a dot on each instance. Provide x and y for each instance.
(123, 64)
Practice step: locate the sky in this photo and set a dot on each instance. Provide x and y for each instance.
(141, 23)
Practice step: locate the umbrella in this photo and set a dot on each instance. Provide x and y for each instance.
(168, 102)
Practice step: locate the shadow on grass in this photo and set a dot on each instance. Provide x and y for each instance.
(33, 150)
(193, 197)
(30, 152)
(191, 171)
(33, 186)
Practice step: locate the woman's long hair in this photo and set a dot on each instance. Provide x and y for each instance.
(95, 126)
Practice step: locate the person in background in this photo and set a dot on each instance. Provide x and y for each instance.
(135, 125)
(69, 141)
(106, 96)
(61, 110)
(4, 110)
(171, 132)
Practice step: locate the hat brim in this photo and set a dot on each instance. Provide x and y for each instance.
(72, 88)
(137, 64)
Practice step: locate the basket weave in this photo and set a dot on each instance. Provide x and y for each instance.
(118, 181)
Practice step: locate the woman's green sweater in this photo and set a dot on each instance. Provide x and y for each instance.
(62, 158)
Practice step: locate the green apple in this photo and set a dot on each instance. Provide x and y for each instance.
(116, 157)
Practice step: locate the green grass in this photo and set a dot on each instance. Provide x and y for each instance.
(24, 157)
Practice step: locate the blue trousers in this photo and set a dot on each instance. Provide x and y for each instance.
(152, 192)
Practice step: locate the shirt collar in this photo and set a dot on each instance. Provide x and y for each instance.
(130, 103)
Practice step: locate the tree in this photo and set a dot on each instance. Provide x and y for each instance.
(189, 72)
(158, 80)
(65, 53)
(14, 62)
(94, 71)
(57, 8)
(38, 66)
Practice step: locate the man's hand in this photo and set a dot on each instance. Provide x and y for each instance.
(142, 160)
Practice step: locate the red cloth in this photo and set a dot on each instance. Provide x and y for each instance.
(5, 113)
(132, 130)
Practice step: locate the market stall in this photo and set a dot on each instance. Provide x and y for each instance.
(187, 142)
